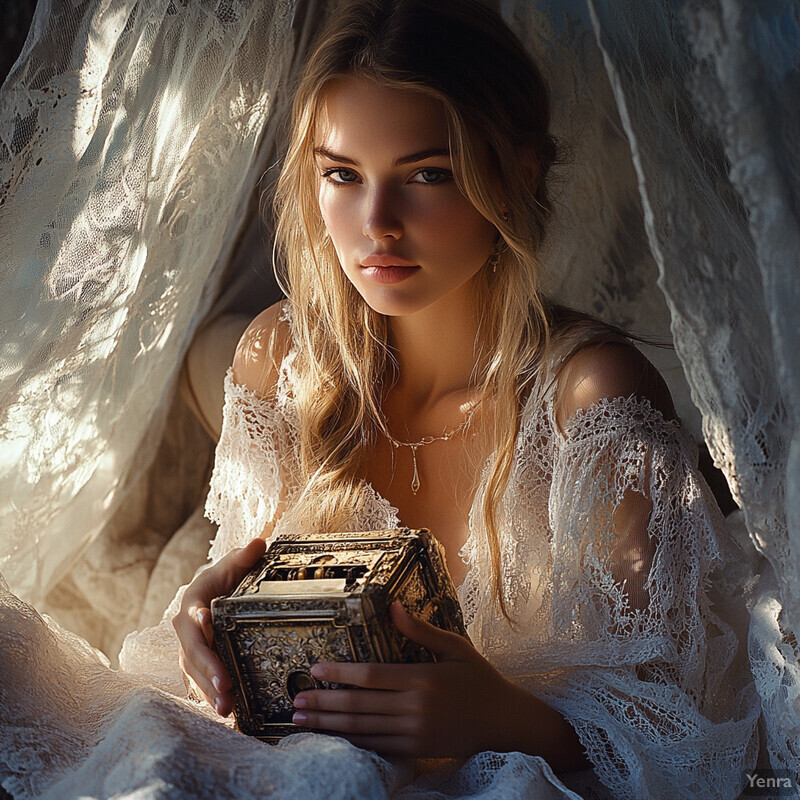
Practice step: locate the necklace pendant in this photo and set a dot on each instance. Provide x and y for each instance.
(414, 446)
(415, 482)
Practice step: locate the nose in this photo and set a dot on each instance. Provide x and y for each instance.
(382, 216)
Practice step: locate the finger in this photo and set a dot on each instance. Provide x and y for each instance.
(396, 677)
(218, 579)
(220, 698)
(245, 557)
(209, 684)
(354, 701)
(204, 620)
(445, 645)
(224, 703)
(193, 688)
(385, 745)
(200, 662)
(196, 680)
(381, 724)
(235, 565)
(225, 575)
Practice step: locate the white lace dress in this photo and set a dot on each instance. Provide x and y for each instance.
(623, 626)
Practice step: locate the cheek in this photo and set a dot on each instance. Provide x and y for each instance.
(463, 231)
(337, 213)
(338, 218)
(325, 208)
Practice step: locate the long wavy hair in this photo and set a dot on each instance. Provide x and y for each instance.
(464, 55)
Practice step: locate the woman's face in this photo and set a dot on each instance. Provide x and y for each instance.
(405, 235)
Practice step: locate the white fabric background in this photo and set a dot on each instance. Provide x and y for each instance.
(132, 135)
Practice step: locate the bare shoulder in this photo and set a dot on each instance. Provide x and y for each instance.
(260, 351)
(608, 370)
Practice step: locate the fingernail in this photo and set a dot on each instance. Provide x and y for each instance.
(300, 702)
(217, 683)
(299, 718)
(204, 616)
(319, 671)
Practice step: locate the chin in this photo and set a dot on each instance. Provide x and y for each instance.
(396, 306)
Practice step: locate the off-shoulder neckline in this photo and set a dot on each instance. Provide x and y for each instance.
(538, 409)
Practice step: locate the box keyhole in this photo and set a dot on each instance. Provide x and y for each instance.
(297, 682)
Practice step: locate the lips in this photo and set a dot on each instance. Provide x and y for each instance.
(387, 268)
(393, 274)
(386, 260)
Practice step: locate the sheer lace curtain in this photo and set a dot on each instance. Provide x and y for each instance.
(129, 136)
(132, 138)
(707, 96)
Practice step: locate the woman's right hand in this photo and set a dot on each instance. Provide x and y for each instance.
(193, 623)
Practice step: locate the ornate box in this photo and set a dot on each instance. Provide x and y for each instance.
(325, 597)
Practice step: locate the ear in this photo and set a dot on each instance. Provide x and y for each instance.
(529, 164)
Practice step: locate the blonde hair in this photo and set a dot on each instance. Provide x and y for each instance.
(464, 55)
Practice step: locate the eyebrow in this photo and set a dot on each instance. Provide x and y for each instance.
(412, 158)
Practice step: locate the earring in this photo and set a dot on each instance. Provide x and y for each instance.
(498, 248)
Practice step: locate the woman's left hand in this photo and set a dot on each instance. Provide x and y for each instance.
(453, 707)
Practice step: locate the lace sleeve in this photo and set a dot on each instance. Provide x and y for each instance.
(250, 482)
(656, 682)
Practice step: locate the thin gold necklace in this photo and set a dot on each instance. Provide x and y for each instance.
(425, 440)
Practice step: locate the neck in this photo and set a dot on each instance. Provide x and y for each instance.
(436, 349)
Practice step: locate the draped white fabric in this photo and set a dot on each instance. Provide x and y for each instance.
(701, 199)
(715, 152)
(129, 133)
(132, 135)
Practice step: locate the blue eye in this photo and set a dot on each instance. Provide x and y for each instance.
(430, 177)
(339, 175)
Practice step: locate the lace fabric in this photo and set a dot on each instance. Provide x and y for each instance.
(118, 123)
(646, 669)
(651, 688)
(657, 689)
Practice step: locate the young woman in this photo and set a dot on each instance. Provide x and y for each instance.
(417, 376)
